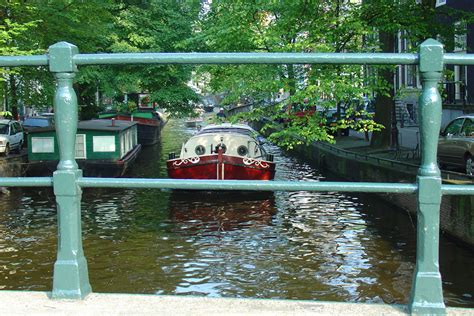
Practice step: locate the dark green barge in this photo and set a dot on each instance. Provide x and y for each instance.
(104, 148)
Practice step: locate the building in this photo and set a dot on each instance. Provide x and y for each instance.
(458, 92)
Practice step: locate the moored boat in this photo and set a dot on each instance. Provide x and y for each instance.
(149, 123)
(194, 122)
(223, 152)
(104, 148)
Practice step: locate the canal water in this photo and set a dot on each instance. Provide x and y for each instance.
(288, 245)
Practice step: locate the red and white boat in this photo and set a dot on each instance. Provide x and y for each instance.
(223, 152)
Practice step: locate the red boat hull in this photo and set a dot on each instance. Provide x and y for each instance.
(221, 167)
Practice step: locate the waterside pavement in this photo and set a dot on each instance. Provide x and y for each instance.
(39, 303)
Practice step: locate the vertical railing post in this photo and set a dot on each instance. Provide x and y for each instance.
(427, 292)
(71, 278)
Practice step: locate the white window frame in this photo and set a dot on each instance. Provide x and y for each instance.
(36, 150)
(440, 3)
(84, 144)
(99, 147)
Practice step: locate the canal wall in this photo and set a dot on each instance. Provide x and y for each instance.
(456, 213)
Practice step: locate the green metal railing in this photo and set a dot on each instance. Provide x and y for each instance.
(71, 278)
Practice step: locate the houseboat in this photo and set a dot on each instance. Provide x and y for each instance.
(223, 151)
(149, 123)
(104, 148)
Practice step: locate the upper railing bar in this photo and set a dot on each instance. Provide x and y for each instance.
(237, 58)
(13, 61)
(246, 185)
(458, 59)
(246, 58)
(26, 182)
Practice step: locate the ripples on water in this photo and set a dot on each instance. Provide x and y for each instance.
(293, 245)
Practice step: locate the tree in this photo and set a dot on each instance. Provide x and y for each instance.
(153, 26)
(300, 26)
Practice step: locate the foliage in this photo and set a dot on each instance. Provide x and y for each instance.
(99, 26)
(300, 26)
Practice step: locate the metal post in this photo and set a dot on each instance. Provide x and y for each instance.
(427, 292)
(70, 278)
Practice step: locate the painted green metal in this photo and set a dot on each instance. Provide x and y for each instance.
(427, 293)
(246, 58)
(71, 278)
(26, 182)
(458, 59)
(247, 185)
(70, 271)
(12, 61)
(457, 189)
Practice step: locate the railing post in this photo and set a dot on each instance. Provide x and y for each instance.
(427, 292)
(71, 278)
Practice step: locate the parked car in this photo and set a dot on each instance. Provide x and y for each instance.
(456, 144)
(11, 136)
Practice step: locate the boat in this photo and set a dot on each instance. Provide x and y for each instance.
(104, 148)
(194, 122)
(223, 152)
(149, 123)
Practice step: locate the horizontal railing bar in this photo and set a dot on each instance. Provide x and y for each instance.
(36, 60)
(246, 58)
(456, 189)
(237, 58)
(458, 59)
(246, 185)
(26, 182)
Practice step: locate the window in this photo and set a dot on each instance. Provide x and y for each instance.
(454, 128)
(440, 3)
(103, 143)
(468, 128)
(12, 129)
(17, 127)
(460, 36)
(42, 144)
(80, 146)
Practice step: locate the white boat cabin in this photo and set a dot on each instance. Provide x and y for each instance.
(238, 140)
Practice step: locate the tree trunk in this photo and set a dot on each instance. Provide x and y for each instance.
(384, 104)
(14, 97)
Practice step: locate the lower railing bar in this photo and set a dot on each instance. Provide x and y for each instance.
(26, 182)
(247, 185)
(455, 189)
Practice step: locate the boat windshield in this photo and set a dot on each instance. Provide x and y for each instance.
(228, 130)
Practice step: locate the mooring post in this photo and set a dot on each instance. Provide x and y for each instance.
(427, 292)
(71, 279)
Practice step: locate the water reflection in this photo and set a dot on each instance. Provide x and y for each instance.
(203, 211)
(292, 245)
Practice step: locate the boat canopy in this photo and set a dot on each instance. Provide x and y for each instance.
(229, 128)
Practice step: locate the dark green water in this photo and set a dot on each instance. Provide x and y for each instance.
(299, 245)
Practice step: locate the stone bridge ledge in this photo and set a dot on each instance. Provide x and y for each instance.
(39, 303)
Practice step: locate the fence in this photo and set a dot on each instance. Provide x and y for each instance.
(70, 279)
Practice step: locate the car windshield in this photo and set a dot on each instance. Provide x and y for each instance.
(36, 122)
(3, 128)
